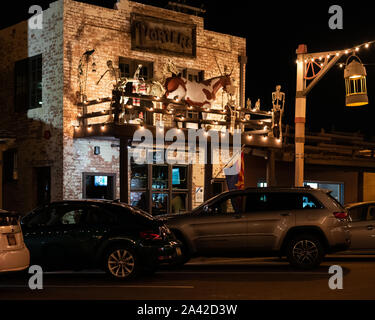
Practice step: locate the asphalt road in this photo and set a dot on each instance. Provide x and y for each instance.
(206, 278)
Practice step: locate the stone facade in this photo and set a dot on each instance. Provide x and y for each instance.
(69, 29)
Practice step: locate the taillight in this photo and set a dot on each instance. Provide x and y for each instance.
(150, 235)
(341, 215)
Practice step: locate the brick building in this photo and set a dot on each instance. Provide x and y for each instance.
(49, 79)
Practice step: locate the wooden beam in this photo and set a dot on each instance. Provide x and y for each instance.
(124, 172)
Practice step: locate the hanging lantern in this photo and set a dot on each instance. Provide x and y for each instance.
(355, 83)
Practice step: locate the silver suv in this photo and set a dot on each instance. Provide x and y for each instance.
(302, 224)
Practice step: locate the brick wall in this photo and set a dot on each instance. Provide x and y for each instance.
(18, 42)
(107, 31)
(69, 29)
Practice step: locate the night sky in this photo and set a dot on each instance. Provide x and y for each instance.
(273, 32)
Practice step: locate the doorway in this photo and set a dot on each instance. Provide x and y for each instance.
(43, 183)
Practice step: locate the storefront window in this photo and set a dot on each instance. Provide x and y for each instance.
(159, 188)
(178, 203)
(179, 177)
(159, 177)
(138, 176)
(139, 200)
(99, 186)
(159, 203)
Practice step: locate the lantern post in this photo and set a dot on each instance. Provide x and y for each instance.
(307, 62)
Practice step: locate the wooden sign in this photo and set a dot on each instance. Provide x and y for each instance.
(162, 36)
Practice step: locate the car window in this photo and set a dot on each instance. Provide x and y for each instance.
(274, 201)
(358, 213)
(38, 217)
(370, 213)
(67, 215)
(228, 205)
(98, 215)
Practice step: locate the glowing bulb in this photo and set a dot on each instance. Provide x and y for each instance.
(346, 51)
(250, 137)
(357, 49)
(367, 45)
(337, 53)
(89, 128)
(103, 127)
(340, 65)
(278, 140)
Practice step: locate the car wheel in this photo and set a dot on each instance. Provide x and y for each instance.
(305, 252)
(121, 263)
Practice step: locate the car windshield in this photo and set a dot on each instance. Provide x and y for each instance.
(206, 202)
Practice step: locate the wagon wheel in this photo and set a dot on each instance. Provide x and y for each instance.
(313, 67)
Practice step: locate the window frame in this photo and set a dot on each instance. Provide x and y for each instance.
(31, 71)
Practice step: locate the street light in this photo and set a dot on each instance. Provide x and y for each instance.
(355, 83)
(356, 91)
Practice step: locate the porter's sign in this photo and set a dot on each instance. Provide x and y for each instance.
(162, 36)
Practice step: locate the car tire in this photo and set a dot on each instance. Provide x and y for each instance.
(121, 263)
(305, 251)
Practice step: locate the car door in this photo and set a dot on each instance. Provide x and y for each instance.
(268, 215)
(52, 235)
(362, 227)
(96, 227)
(220, 228)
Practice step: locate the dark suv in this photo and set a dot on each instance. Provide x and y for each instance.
(89, 234)
(300, 223)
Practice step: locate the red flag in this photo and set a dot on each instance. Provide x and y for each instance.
(241, 174)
